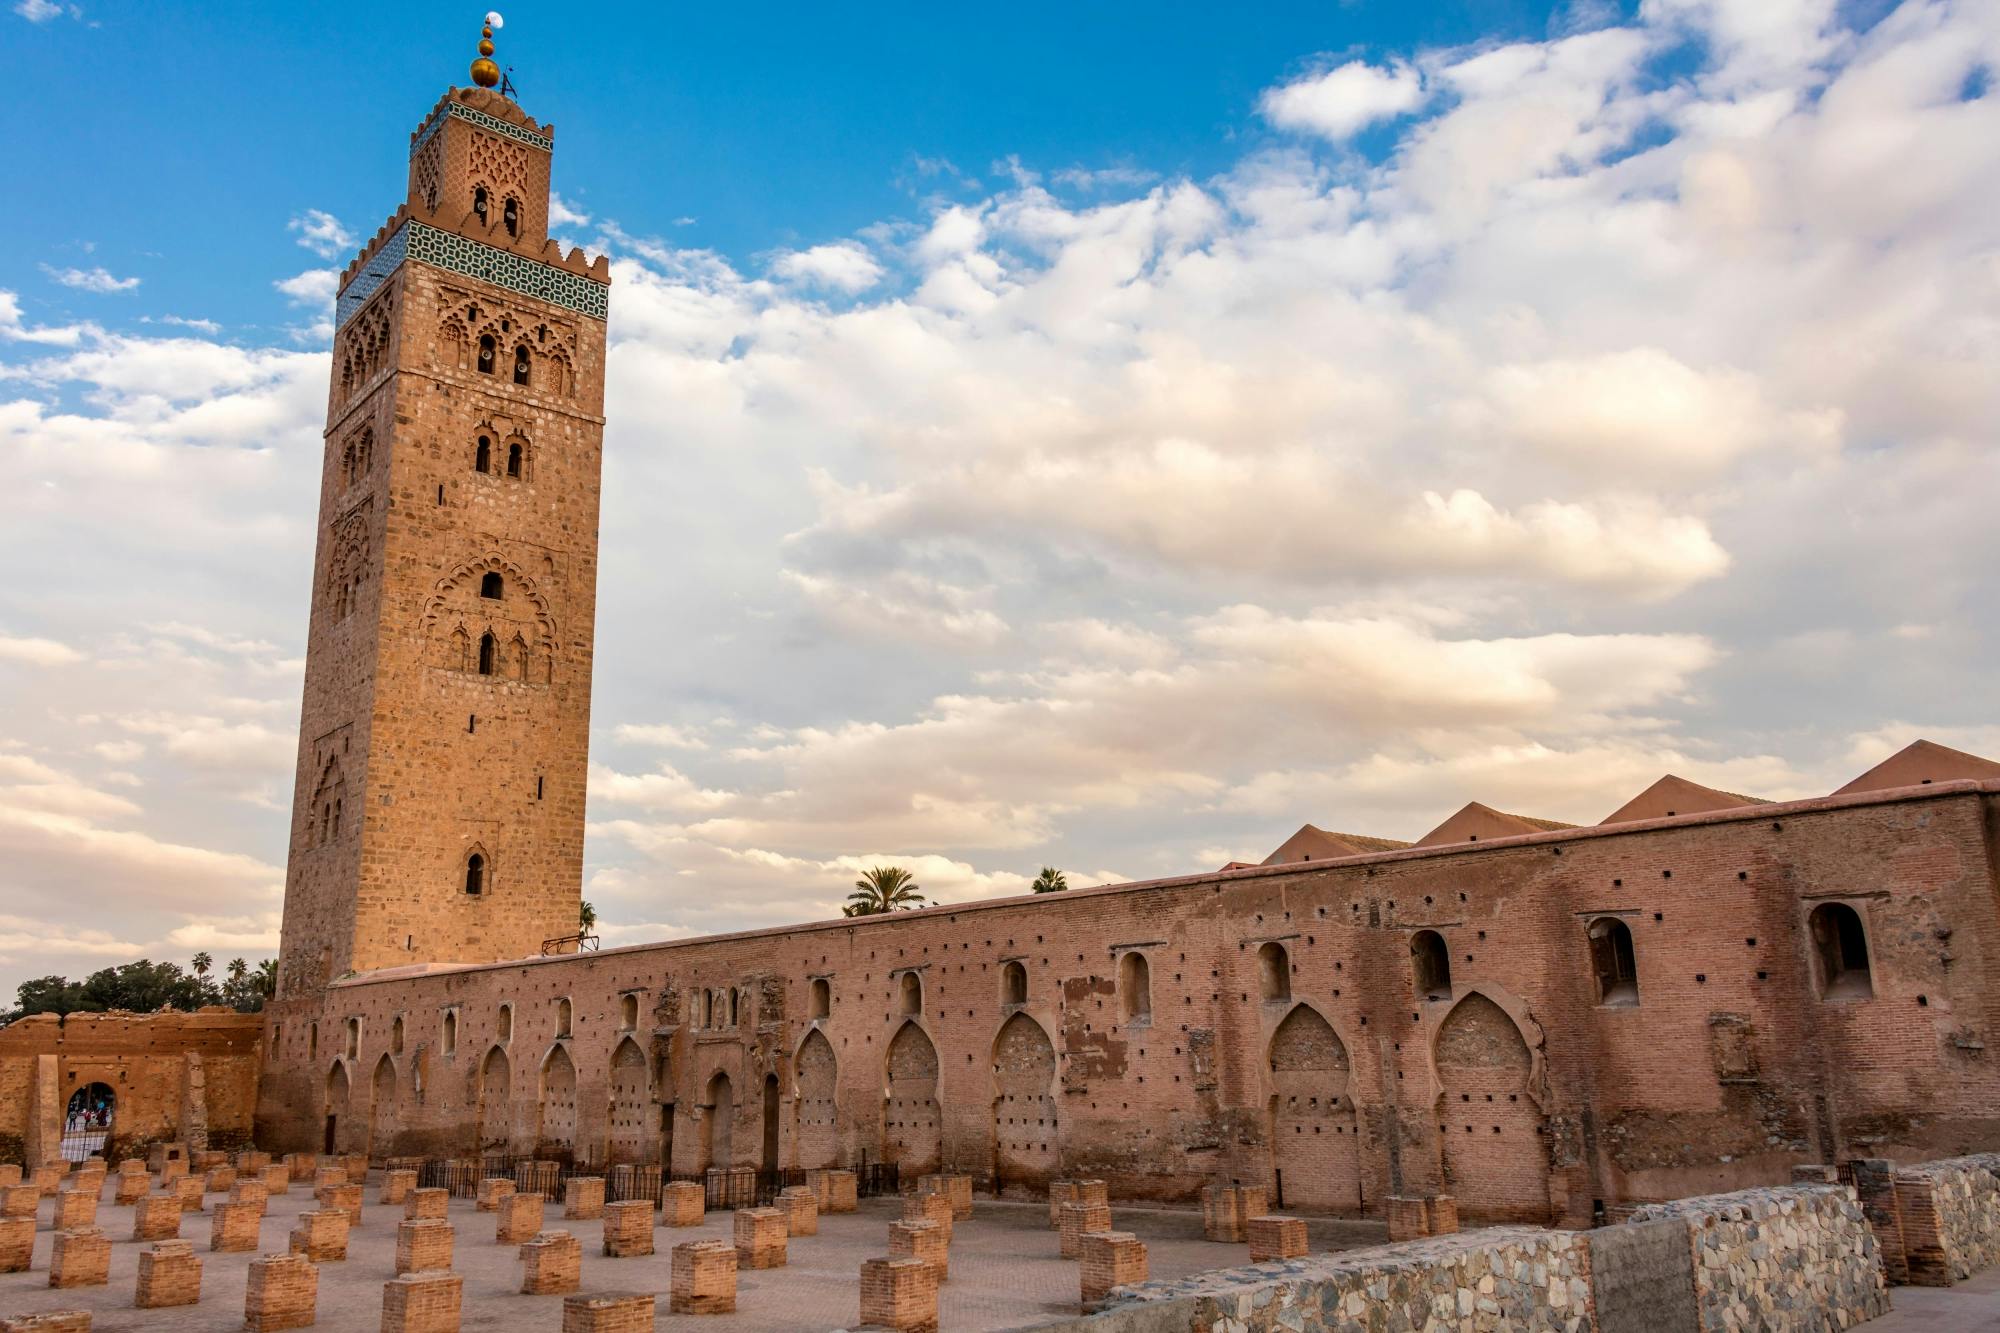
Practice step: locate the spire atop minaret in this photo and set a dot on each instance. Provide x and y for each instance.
(484, 72)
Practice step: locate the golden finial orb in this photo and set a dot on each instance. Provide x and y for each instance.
(484, 72)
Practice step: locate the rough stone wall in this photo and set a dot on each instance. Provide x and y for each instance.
(146, 1060)
(1789, 1260)
(1718, 1077)
(1793, 1258)
(1513, 1278)
(1950, 1213)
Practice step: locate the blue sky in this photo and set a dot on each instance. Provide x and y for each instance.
(1333, 414)
(767, 125)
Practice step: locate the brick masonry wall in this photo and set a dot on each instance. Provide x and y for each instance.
(422, 1303)
(703, 1278)
(1730, 1070)
(552, 1264)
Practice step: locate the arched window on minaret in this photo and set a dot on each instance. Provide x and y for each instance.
(514, 460)
(518, 652)
(487, 649)
(492, 585)
(486, 350)
(510, 213)
(482, 457)
(521, 365)
(479, 202)
(475, 874)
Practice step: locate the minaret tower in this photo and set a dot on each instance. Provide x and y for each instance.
(437, 815)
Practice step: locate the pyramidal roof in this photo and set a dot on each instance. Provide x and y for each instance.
(1920, 762)
(1674, 795)
(1482, 823)
(1311, 843)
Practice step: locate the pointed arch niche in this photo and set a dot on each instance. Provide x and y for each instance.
(1489, 1114)
(1315, 1139)
(1026, 1145)
(912, 1134)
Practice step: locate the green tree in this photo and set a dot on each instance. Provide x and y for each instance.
(883, 889)
(1051, 880)
(238, 969)
(586, 917)
(202, 963)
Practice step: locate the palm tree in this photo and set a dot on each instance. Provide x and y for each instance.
(586, 917)
(883, 889)
(1051, 880)
(201, 963)
(238, 969)
(267, 976)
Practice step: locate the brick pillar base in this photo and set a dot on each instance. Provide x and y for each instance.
(703, 1278)
(169, 1274)
(422, 1303)
(760, 1238)
(607, 1314)
(423, 1246)
(81, 1259)
(929, 1208)
(236, 1228)
(1111, 1259)
(1079, 1220)
(75, 1209)
(491, 1191)
(583, 1198)
(551, 1264)
(342, 1198)
(628, 1231)
(157, 1217)
(48, 1178)
(520, 1219)
(422, 1205)
(277, 1179)
(956, 1188)
(1227, 1209)
(321, 1236)
(841, 1193)
(250, 1191)
(20, 1200)
(682, 1204)
(800, 1205)
(1275, 1237)
(925, 1241)
(219, 1179)
(283, 1292)
(899, 1294)
(396, 1186)
(10, 1174)
(1444, 1214)
(1409, 1216)
(131, 1189)
(17, 1244)
(190, 1190)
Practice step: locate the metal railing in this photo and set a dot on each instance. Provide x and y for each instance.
(722, 1187)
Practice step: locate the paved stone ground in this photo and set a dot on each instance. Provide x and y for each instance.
(1970, 1307)
(1005, 1271)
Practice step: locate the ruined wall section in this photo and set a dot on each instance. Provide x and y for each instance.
(1516, 1088)
(150, 1062)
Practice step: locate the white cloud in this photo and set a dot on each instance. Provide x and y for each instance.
(322, 233)
(37, 652)
(97, 279)
(1338, 102)
(41, 11)
(845, 266)
(314, 289)
(1631, 410)
(562, 213)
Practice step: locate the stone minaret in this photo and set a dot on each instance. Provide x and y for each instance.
(437, 815)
